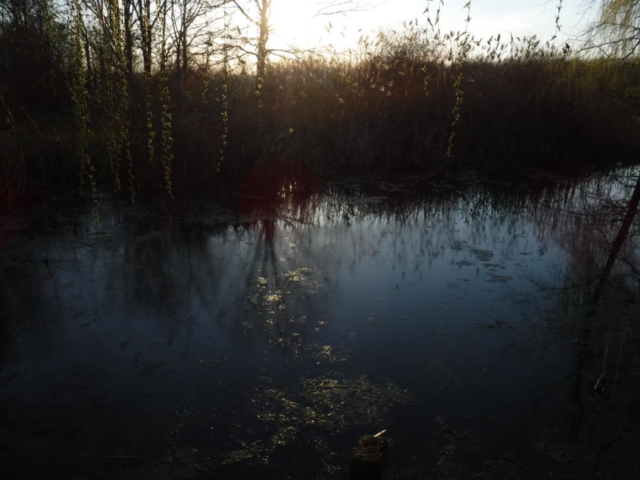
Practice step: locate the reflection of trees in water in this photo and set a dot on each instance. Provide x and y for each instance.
(281, 301)
(170, 271)
(595, 225)
(616, 246)
(258, 286)
(271, 278)
(35, 291)
(229, 275)
(260, 278)
(247, 277)
(403, 229)
(584, 220)
(428, 224)
(597, 231)
(266, 277)
(243, 276)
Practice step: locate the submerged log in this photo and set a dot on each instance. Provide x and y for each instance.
(370, 459)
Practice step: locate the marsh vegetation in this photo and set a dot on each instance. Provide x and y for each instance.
(224, 260)
(151, 97)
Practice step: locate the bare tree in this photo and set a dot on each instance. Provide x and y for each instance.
(32, 51)
(258, 14)
(342, 7)
(260, 17)
(191, 22)
(147, 17)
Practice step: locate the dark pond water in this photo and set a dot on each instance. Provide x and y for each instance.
(195, 341)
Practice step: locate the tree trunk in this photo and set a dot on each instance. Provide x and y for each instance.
(144, 10)
(261, 66)
(87, 53)
(183, 42)
(178, 56)
(127, 7)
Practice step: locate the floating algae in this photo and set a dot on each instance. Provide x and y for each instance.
(332, 404)
(317, 412)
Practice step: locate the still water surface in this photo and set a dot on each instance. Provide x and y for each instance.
(202, 342)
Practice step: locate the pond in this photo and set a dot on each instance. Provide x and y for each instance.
(261, 338)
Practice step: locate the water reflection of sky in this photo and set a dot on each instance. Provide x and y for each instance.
(440, 295)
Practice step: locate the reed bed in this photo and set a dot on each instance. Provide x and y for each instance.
(392, 107)
(401, 102)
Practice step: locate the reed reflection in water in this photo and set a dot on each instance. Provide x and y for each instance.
(306, 318)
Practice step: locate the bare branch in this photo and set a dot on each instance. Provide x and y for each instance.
(617, 27)
(342, 7)
(244, 13)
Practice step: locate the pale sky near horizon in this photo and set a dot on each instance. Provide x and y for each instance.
(294, 19)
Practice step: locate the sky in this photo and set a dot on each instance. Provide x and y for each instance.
(294, 23)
